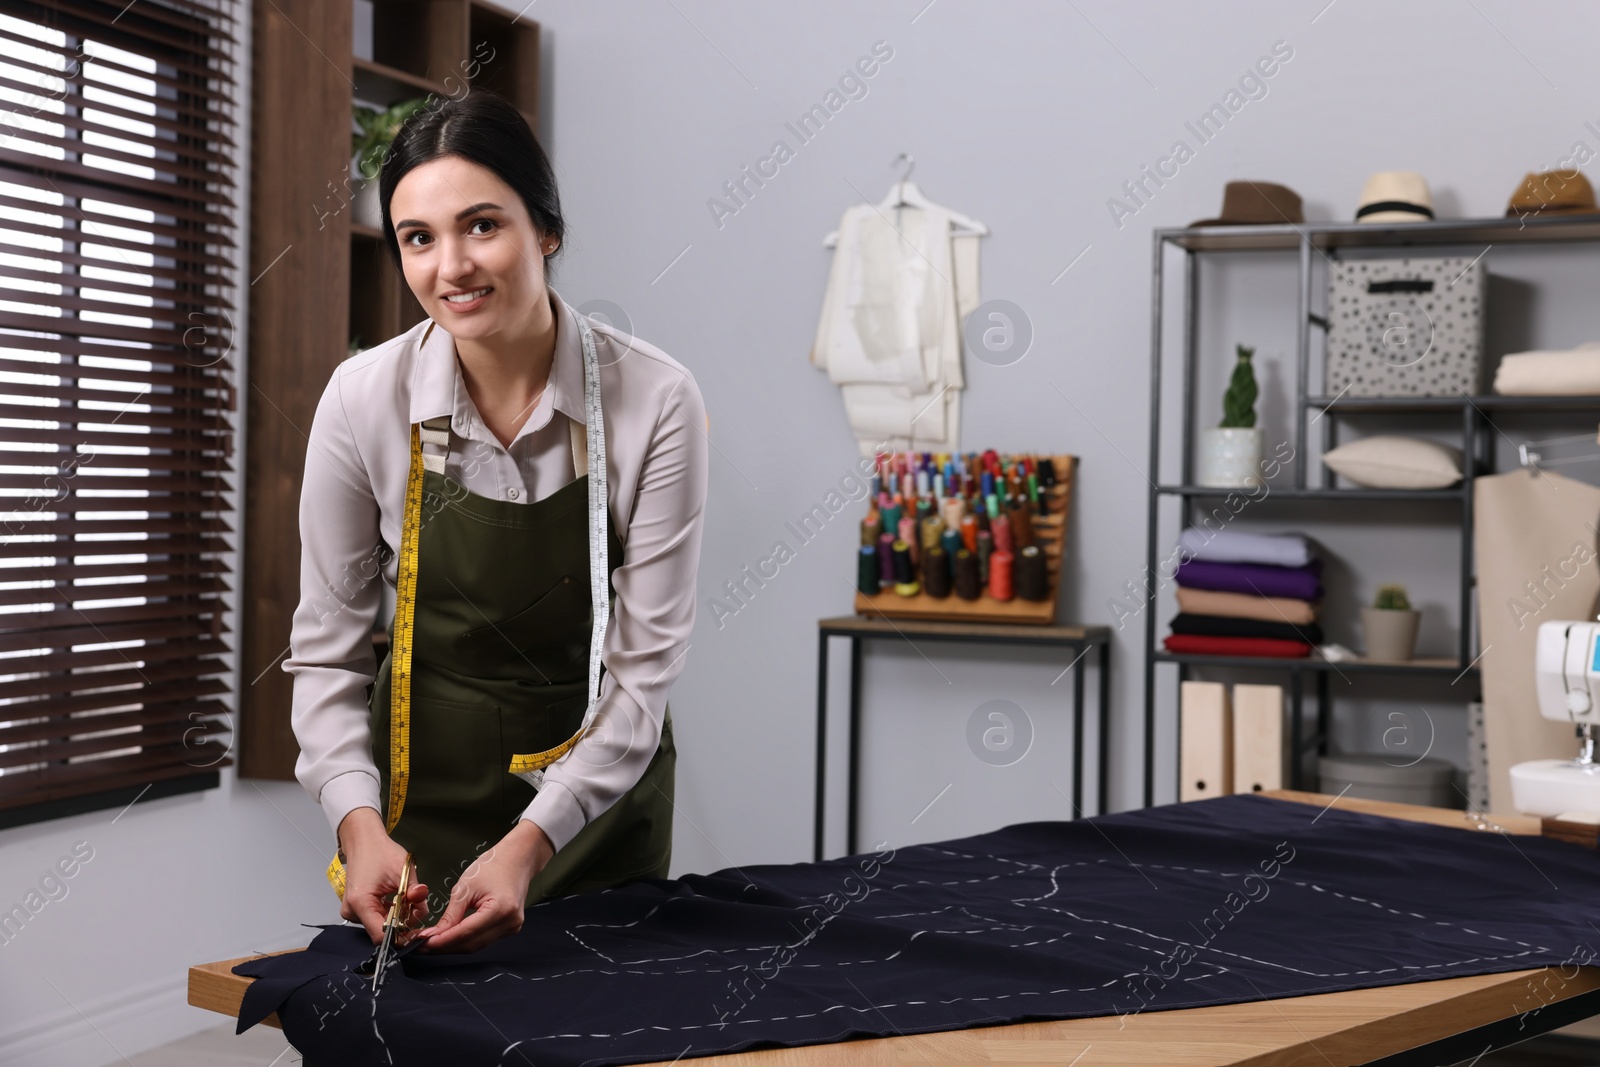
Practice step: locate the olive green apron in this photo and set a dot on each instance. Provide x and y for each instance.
(499, 667)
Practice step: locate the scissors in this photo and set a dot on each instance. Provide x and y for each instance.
(399, 913)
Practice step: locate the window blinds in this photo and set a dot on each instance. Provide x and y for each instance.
(117, 207)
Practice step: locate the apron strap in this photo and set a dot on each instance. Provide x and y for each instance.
(435, 431)
(580, 448)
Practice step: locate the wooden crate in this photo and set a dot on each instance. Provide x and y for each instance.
(1050, 533)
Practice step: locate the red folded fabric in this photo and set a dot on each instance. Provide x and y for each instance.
(1238, 646)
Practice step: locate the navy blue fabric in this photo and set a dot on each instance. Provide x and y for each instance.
(1220, 901)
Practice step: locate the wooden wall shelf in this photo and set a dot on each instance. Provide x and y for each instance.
(379, 82)
(321, 279)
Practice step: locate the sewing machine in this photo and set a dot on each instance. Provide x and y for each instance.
(1567, 670)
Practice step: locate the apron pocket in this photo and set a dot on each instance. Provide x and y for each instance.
(455, 750)
(542, 641)
(550, 614)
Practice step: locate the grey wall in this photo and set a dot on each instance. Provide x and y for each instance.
(1028, 116)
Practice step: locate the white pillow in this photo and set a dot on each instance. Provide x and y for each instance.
(1389, 462)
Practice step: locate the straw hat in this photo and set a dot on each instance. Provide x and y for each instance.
(1247, 203)
(1395, 196)
(1553, 192)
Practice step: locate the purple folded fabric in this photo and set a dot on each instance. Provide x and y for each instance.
(1300, 583)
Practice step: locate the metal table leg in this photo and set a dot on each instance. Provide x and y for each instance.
(1324, 712)
(1078, 762)
(1296, 744)
(822, 746)
(855, 743)
(1103, 782)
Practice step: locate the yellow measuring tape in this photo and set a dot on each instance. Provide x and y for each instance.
(400, 669)
(399, 655)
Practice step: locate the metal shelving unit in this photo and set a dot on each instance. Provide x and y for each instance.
(1475, 415)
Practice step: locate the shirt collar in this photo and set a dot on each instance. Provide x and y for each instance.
(437, 387)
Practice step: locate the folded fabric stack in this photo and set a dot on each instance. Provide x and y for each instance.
(1563, 372)
(1244, 594)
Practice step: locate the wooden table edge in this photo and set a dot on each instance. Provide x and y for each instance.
(1372, 1033)
(214, 986)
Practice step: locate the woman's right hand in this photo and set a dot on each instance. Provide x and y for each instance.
(372, 863)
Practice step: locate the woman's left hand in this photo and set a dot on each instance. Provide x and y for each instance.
(486, 904)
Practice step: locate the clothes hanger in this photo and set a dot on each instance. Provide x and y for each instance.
(1534, 462)
(905, 193)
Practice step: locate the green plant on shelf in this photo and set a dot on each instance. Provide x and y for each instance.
(1239, 402)
(378, 129)
(1392, 598)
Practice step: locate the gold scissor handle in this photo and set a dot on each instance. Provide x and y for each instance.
(397, 919)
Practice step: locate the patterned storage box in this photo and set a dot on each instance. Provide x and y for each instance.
(1405, 327)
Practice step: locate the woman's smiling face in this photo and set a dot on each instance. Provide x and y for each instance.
(465, 233)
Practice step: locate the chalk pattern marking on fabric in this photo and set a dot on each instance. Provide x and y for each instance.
(1034, 921)
(1221, 970)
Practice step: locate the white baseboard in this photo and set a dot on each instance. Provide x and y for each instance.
(102, 1032)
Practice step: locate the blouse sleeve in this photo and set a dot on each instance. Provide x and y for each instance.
(650, 625)
(331, 654)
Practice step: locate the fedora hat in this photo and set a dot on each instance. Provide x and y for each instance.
(1247, 203)
(1553, 192)
(1395, 196)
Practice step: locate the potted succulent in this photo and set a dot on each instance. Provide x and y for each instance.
(1230, 454)
(370, 147)
(1390, 625)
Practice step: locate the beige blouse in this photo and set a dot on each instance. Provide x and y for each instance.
(351, 506)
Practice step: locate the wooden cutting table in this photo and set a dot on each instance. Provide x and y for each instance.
(1421, 1023)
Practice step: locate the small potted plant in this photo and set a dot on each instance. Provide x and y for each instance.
(370, 147)
(1230, 454)
(1390, 625)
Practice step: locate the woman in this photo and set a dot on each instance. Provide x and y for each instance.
(460, 461)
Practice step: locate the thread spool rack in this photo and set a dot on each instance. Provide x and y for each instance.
(1050, 533)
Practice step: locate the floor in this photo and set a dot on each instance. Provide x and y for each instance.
(262, 1046)
(259, 1046)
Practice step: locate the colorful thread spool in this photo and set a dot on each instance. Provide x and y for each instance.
(969, 532)
(1000, 575)
(905, 578)
(950, 541)
(1001, 529)
(868, 580)
(871, 527)
(968, 587)
(951, 511)
(936, 577)
(886, 559)
(908, 535)
(1021, 525)
(1032, 575)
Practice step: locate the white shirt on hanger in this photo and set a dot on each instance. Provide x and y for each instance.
(907, 395)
